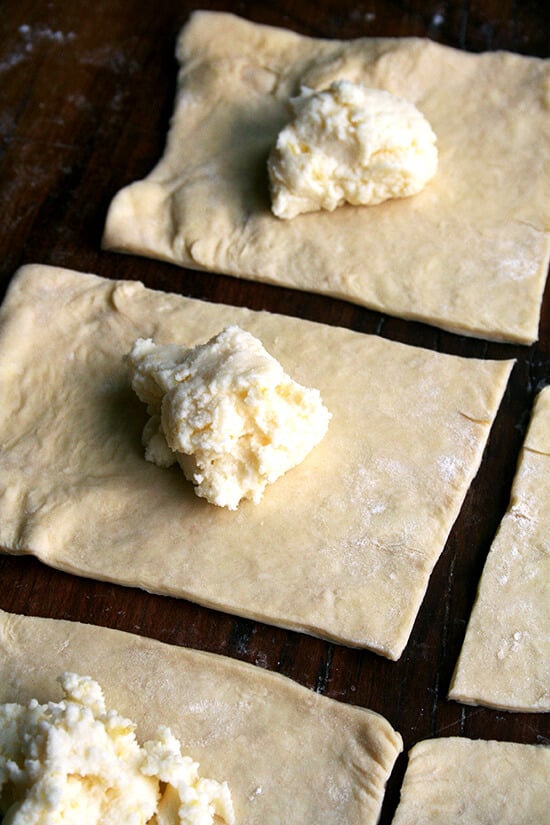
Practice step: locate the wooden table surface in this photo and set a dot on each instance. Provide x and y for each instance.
(86, 93)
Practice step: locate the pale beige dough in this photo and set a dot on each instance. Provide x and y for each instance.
(505, 659)
(287, 753)
(342, 546)
(459, 781)
(469, 253)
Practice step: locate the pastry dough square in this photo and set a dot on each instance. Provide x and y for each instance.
(342, 546)
(505, 659)
(287, 753)
(459, 781)
(469, 254)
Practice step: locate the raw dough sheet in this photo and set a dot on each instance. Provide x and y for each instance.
(287, 753)
(342, 546)
(505, 659)
(475, 782)
(470, 253)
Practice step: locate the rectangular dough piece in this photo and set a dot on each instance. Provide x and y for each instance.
(342, 546)
(505, 658)
(459, 781)
(287, 753)
(469, 254)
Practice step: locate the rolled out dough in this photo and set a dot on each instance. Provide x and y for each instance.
(505, 659)
(342, 546)
(475, 782)
(288, 754)
(469, 254)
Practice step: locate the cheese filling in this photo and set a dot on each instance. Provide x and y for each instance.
(76, 763)
(227, 412)
(349, 144)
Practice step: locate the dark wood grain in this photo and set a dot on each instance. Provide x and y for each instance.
(86, 92)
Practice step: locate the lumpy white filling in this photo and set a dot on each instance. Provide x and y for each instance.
(350, 144)
(227, 412)
(73, 762)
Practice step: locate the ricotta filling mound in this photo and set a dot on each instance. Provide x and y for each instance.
(349, 144)
(76, 763)
(226, 412)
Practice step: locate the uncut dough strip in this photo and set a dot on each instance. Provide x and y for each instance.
(342, 546)
(470, 253)
(505, 658)
(288, 754)
(456, 781)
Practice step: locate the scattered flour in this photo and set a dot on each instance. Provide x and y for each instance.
(29, 38)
